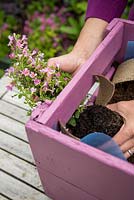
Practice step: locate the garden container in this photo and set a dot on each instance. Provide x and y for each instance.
(70, 169)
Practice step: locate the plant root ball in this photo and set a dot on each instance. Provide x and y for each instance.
(97, 118)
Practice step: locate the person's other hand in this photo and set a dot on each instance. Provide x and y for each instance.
(125, 137)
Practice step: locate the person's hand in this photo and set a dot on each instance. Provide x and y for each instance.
(70, 62)
(90, 37)
(125, 137)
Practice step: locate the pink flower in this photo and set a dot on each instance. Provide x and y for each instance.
(4, 27)
(11, 39)
(33, 89)
(58, 74)
(25, 72)
(45, 86)
(11, 55)
(42, 70)
(47, 70)
(49, 21)
(42, 27)
(9, 71)
(19, 44)
(24, 38)
(36, 81)
(48, 102)
(25, 52)
(34, 52)
(33, 75)
(65, 79)
(10, 86)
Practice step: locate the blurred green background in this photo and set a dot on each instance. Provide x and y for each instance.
(51, 26)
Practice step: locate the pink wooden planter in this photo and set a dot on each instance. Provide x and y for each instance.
(69, 169)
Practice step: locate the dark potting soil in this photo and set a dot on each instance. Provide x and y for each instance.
(98, 118)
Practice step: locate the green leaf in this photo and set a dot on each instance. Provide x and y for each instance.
(72, 121)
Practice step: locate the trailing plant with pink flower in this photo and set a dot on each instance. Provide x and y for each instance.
(30, 74)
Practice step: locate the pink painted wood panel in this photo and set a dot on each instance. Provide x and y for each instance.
(59, 189)
(63, 160)
(93, 171)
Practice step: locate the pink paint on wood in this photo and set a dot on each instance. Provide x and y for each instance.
(93, 171)
(59, 189)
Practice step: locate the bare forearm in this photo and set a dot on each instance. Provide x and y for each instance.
(90, 37)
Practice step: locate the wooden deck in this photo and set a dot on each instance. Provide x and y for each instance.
(19, 179)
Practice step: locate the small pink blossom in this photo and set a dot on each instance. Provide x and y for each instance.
(11, 55)
(42, 70)
(25, 52)
(10, 86)
(36, 81)
(33, 89)
(38, 67)
(4, 27)
(48, 102)
(58, 74)
(25, 72)
(11, 39)
(65, 79)
(19, 44)
(42, 27)
(24, 38)
(9, 71)
(50, 21)
(47, 70)
(34, 52)
(32, 75)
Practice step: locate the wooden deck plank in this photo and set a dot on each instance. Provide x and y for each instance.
(15, 100)
(20, 169)
(13, 127)
(18, 190)
(4, 81)
(16, 147)
(3, 198)
(19, 178)
(13, 111)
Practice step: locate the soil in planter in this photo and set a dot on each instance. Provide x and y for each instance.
(98, 118)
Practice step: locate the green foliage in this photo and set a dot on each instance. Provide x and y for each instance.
(127, 9)
(8, 24)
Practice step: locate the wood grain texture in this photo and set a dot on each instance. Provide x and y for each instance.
(13, 111)
(20, 169)
(15, 100)
(16, 147)
(17, 190)
(4, 81)
(13, 127)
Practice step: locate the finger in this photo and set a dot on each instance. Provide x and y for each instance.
(123, 135)
(53, 61)
(112, 107)
(129, 153)
(127, 145)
